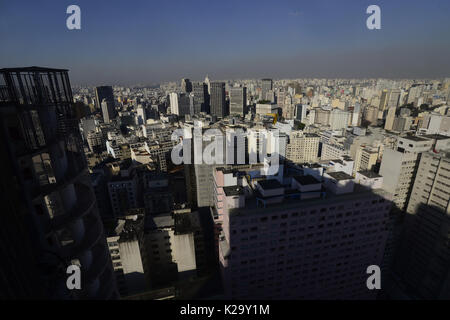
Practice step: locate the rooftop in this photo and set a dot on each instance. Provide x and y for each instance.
(369, 174)
(306, 180)
(359, 191)
(415, 138)
(340, 175)
(33, 69)
(436, 136)
(233, 191)
(270, 184)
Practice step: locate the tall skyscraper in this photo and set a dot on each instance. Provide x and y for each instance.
(45, 152)
(200, 91)
(274, 245)
(394, 99)
(384, 100)
(217, 99)
(173, 100)
(108, 110)
(101, 93)
(399, 165)
(238, 100)
(186, 85)
(302, 147)
(390, 119)
(300, 112)
(424, 255)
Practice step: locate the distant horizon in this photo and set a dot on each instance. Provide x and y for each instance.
(141, 42)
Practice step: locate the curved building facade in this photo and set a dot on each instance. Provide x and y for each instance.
(60, 214)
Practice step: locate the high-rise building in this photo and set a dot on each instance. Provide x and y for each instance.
(266, 86)
(355, 115)
(186, 85)
(141, 116)
(45, 152)
(173, 100)
(200, 91)
(180, 103)
(399, 165)
(217, 99)
(300, 112)
(274, 245)
(424, 253)
(366, 158)
(103, 93)
(389, 124)
(108, 110)
(302, 147)
(394, 99)
(339, 119)
(384, 100)
(238, 100)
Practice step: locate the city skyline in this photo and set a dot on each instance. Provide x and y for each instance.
(141, 43)
(225, 151)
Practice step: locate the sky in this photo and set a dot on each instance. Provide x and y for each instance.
(152, 41)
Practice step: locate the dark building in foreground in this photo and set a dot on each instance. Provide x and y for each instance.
(57, 222)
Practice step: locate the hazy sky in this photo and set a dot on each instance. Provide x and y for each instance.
(148, 41)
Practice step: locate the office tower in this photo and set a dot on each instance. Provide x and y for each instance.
(141, 116)
(208, 84)
(424, 253)
(266, 86)
(173, 99)
(383, 101)
(300, 112)
(281, 96)
(200, 91)
(302, 147)
(180, 103)
(203, 177)
(45, 153)
(103, 93)
(184, 104)
(390, 119)
(238, 100)
(108, 110)
(217, 99)
(186, 85)
(355, 115)
(394, 99)
(274, 245)
(414, 92)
